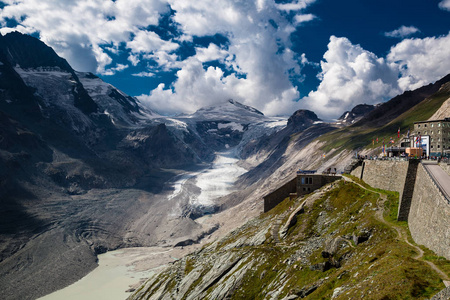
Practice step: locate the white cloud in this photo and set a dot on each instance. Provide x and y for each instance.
(148, 41)
(77, 30)
(421, 61)
(304, 18)
(164, 60)
(253, 52)
(213, 52)
(350, 75)
(194, 88)
(295, 6)
(445, 4)
(402, 32)
(118, 68)
(134, 59)
(144, 74)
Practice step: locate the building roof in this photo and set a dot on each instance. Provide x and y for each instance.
(433, 121)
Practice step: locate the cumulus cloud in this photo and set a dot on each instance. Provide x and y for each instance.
(148, 42)
(81, 30)
(445, 4)
(402, 32)
(261, 72)
(350, 75)
(213, 52)
(421, 61)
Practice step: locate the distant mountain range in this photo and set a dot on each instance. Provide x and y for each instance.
(83, 166)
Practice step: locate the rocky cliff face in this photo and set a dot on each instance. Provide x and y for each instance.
(356, 114)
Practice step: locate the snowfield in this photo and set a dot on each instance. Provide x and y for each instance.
(219, 180)
(212, 183)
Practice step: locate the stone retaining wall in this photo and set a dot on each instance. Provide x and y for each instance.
(357, 172)
(429, 215)
(275, 197)
(384, 174)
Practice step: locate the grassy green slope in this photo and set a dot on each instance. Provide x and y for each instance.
(357, 137)
(381, 267)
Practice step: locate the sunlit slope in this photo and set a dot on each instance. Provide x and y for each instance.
(363, 134)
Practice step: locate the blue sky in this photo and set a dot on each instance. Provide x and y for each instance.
(278, 56)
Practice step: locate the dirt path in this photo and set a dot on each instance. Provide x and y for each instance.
(402, 235)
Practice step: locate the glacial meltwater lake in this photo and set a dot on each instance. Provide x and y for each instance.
(110, 280)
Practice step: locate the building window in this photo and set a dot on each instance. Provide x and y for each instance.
(439, 146)
(431, 146)
(439, 125)
(425, 125)
(432, 125)
(307, 180)
(418, 126)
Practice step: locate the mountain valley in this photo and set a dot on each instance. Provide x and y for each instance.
(86, 169)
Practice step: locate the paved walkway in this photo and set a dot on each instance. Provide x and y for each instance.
(441, 178)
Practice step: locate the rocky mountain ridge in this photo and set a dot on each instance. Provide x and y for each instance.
(84, 167)
(356, 114)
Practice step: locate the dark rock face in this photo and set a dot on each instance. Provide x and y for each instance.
(359, 111)
(29, 52)
(388, 111)
(216, 137)
(158, 147)
(302, 119)
(363, 236)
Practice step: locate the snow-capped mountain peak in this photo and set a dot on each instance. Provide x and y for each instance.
(229, 110)
(249, 108)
